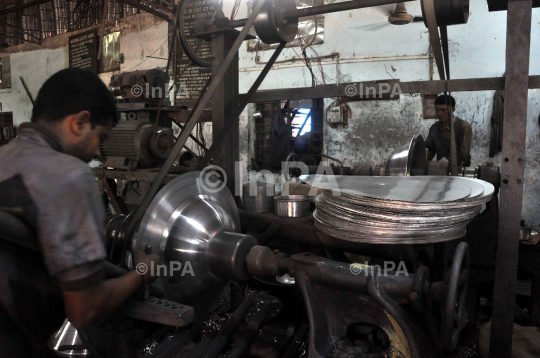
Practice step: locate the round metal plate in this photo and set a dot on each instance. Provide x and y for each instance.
(424, 189)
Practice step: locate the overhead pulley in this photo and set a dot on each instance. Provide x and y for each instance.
(272, 27)
(448, 12)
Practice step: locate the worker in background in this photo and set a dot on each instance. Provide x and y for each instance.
(438, 139)
(45, 179)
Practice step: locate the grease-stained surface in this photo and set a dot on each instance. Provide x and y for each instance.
(400, 345)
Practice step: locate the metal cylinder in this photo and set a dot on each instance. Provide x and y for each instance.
(469, 172)
(448, 12)
(227, 254)
(258, 197)
(292, 206)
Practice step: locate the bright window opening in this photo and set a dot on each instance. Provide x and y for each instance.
(299, 120)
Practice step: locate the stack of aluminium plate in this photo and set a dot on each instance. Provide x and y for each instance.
(397, 210)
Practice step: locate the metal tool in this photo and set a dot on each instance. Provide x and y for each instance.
(292, 206)
(27, 90)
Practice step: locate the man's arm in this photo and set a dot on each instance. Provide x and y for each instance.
(71, 238)
(90, 304)
(85, 306)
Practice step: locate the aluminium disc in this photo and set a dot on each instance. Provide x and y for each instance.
(184, 216)
(418, 189)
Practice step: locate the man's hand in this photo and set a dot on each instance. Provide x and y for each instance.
(146, 265)
(85, 306)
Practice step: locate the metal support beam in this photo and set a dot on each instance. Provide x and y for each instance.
(224, 102)
(328, 91)
(138, 5)
(518, 41)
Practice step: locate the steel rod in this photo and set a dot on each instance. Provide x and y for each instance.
(325, 9)
(241, 346)
(230, 327)
(27, 90)
(195, 139)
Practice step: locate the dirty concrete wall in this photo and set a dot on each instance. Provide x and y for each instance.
(531, 191)
(371, 49)
(140, 36)
(35, 67)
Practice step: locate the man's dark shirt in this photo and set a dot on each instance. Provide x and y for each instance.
(57, 195)
(438, 141)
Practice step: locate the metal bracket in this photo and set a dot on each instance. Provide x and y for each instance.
(158, 311)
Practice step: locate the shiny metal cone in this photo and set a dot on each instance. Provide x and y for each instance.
(66, 342)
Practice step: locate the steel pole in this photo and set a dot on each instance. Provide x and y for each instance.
(518, 41)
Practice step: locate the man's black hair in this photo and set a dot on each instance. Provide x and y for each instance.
(71, 91)
(442, 99)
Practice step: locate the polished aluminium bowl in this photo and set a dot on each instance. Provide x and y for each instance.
(409, 159)
(292, 206)
(180, 224)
